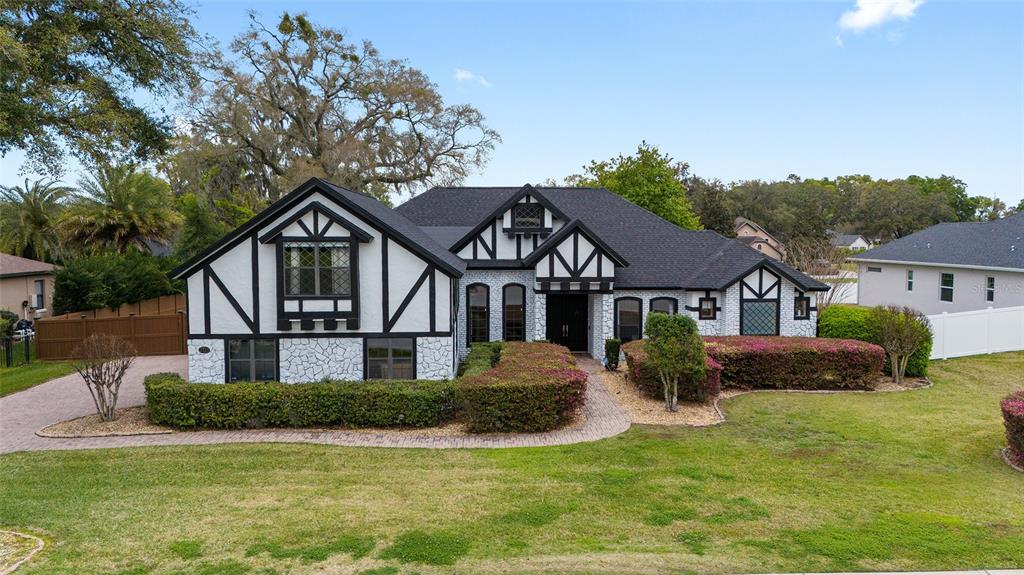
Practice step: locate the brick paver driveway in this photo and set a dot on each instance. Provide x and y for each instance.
(25, 412)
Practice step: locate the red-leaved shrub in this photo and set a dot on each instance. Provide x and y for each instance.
(645, 376)
(757, 362)
(1013, 418)
(533, 387)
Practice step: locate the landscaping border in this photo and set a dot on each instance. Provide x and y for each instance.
(1004, 454)
(38, 547)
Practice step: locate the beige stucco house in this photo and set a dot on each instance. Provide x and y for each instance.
(752, 234)
(26, 286)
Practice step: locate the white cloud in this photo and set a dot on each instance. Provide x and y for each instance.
(870, 13)
(839, 40)
(462, 76)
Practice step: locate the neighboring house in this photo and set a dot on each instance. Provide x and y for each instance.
(26, 286)
(327, 282)
(852, 242)
(948, 268)
(752, 234)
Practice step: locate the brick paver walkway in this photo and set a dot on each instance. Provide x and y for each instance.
(25, 412)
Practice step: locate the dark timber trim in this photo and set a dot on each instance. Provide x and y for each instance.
(523, 192)
(231, 299)
(317, 208)
(392, 320)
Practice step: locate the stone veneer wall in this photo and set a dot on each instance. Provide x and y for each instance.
(496, 280)
(602, 323)
(206, 367)
(305, 360)
(434, 358)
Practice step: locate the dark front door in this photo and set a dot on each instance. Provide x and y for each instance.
(567, 320)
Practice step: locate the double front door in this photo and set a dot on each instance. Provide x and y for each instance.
(567, 320)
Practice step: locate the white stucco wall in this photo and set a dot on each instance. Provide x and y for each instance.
(888, 287)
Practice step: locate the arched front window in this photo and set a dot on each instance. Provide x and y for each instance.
(478, 313)
(513, 312)
(664, 305)
(628, 319)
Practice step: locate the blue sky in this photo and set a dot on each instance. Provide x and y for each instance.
(738, 90)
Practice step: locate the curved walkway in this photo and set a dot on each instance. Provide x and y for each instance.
(25, 412)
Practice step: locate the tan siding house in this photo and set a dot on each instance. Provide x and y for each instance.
(752, 234)
(26, 286)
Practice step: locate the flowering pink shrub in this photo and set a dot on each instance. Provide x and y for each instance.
(757, 362)
(533, 387)
(1013, 419)
(645, 377)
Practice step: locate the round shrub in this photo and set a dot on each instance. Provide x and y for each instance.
(1013, 419)
(644, 375)
(612, 348)
(852, 322)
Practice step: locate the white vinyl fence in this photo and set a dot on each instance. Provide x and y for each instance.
(977, 332)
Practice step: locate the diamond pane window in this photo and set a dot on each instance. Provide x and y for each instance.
(528, 216)
(317, 269)
(760, 318)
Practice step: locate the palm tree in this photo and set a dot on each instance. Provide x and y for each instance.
(118, 208)
(28, 218)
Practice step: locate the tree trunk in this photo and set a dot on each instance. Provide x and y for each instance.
(675, 395)
(897, 373)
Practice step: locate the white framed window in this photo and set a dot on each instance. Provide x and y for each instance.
(910, 280)
(946, 287)
(390, 358)
(990, 288)
(252, 360)
(317, 269)
(39, 295)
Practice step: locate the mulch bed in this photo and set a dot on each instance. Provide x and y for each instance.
(130, 421)
(646, 410)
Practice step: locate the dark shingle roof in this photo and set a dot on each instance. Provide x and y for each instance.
(997, 244)
(660, 254)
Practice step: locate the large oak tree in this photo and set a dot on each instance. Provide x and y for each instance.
(299, 100)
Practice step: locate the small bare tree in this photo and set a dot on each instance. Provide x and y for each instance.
(817, 257)
(102, 361)
(900, 331)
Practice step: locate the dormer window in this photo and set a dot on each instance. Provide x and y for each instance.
(528, 216)
(317, 269)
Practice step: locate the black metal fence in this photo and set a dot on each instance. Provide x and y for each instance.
(16, 353)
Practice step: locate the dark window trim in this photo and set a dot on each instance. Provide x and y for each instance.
(990, 288)
(910, 280)
(504, 320)
(672, 300)
(778, 312)
(353, 262)
(317, 268)
(388, 336)
(515, 215)
(874, 269)
(469, 331)
(252, 351)
(639, 309)
(800, 297)
(714, 308)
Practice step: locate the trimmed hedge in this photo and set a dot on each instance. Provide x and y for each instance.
(756, 362)
(533, 387)
(1013, 419)
(481, 357)
(612, 349)
(645, 376)
(851, 322)
(173, 401)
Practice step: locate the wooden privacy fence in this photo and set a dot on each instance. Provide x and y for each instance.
(156, 327)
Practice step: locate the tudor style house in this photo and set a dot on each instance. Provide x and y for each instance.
(330, 283)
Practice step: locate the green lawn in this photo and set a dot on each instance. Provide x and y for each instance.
(14, 379)
(791, 483)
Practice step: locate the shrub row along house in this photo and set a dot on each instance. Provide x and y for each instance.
(330, 283)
